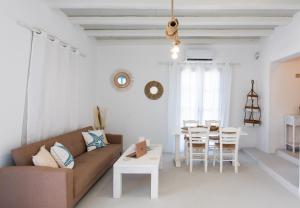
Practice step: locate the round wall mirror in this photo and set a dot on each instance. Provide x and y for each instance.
(121, 79)
(153, 90)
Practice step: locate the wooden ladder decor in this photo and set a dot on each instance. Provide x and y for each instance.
(252, 109)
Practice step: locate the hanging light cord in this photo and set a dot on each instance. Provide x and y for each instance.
(172, 9)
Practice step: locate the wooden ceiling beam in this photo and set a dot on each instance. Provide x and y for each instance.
(135, 4)
(183, 33)
(186, 21)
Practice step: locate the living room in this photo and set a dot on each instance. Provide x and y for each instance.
(74, 68)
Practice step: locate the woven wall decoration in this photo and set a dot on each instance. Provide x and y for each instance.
(154, 90)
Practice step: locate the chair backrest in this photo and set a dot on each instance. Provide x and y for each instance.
(230, 135)
(190, 123)
(198, 135)
(212, 123)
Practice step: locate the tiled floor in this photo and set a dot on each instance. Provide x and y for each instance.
(251, 187)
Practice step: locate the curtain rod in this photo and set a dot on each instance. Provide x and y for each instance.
(38, 30)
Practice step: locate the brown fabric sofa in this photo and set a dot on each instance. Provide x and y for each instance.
(28, 186)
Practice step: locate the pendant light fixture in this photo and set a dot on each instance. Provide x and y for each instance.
(172, 33)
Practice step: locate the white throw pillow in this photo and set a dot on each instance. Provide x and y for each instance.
(94, 140)
(44, 158)
(62, 156)
(99, 133)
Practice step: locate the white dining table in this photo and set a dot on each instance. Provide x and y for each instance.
(181, 132)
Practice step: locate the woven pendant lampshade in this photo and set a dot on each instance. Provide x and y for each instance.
(171, 32)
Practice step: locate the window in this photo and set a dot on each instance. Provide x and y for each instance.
(211, 96)
(200, 90)
(189, 103)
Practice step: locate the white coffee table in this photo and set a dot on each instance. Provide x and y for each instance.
(147, 164)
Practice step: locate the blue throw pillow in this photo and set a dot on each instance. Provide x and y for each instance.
(93, 141)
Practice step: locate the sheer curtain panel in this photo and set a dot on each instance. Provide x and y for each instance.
(225, 94)
(174, 105)
(53, 92)
(192, 77)
(197, 91)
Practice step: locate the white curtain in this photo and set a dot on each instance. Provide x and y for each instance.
(225, 93)
(192, 77)
(197, 91)
(53, 92)
(174, 105)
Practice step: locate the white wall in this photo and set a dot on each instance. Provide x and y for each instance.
(132, 114)
(284, 43)
(14, 52)
(285, 98)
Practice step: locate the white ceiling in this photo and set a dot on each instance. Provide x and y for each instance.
(199, 19)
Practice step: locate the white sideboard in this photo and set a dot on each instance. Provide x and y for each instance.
(293, 121)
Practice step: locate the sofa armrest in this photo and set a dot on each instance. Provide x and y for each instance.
(115, 138)
(36, 187)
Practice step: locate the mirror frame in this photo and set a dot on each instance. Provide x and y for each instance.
(160, 90)
(125, 74)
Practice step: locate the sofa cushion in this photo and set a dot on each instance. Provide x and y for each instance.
(44, 158)
(100, 132)
(91, 164)
(73, 141)
(93, 141)
(62, 156)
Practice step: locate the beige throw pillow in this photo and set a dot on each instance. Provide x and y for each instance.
(44, 158)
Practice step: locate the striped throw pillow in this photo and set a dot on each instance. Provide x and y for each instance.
(62, 156)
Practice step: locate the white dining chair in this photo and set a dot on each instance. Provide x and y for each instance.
(213, 126)
(198, 146)
(190, 123)
(212, 123)
(186, 124)
(227, 148)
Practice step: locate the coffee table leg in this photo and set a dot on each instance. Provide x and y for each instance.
(154, 184)
(117, 184)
